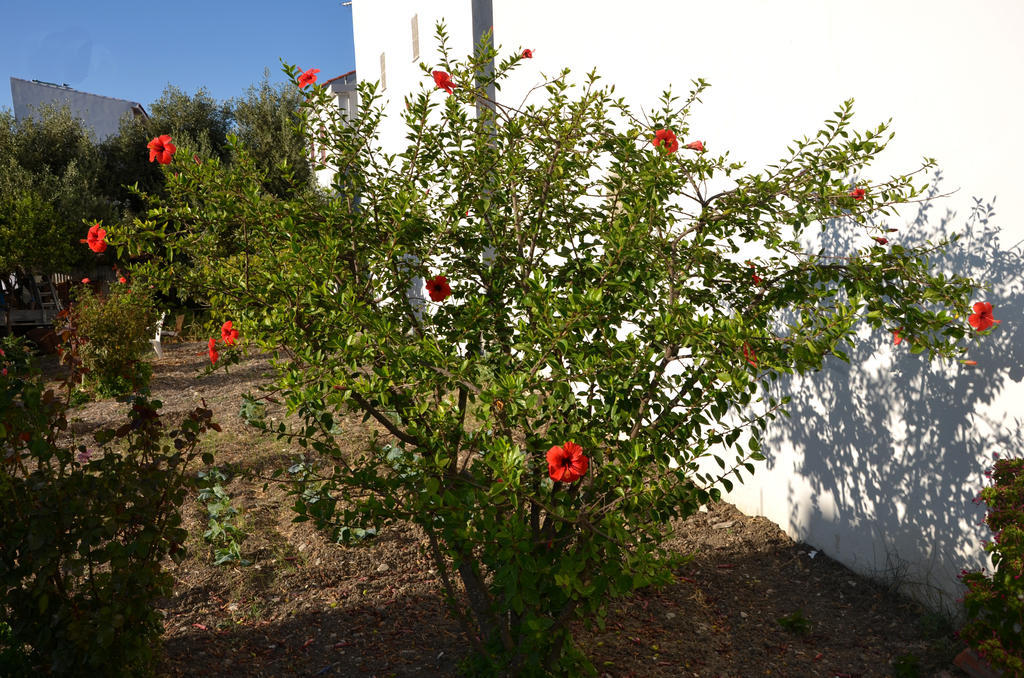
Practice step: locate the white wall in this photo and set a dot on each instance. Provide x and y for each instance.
(385, 27)
(879, 463)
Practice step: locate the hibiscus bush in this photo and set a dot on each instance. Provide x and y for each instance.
(85, 531)
(109, 335)
(995, 602)
(562, 320)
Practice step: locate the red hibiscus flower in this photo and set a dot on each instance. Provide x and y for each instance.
(444, 81)
(858, 193)
(749, 355)
(527, 53)
(880, 241)
(85, 281)
(438, 288)
(696, 145)
(667, 137)
(228, 333)
(753, 273)
(896, 336)
(214, 356)
(567, 462)
(982, 318)
(96, 239)
(122, 280)
(161, 149)
(308, 77)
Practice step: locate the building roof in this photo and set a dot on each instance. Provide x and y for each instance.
(345, 82)
(344, 77)
(99, 113)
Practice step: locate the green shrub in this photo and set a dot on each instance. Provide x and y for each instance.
(85, 531)
(995, 603)
(109, 334)
(591, 331)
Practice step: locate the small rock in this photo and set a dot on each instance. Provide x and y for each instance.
(670, 615)
(724, 525)
(743, 614)
(383, 567)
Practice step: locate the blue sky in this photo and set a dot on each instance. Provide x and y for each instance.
(132, 50)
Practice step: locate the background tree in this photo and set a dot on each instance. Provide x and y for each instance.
(268, 126)
(197, 120)
(50, 183)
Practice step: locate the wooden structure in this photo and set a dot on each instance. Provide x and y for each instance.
(29, 300)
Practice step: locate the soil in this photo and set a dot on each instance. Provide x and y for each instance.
(750, 603)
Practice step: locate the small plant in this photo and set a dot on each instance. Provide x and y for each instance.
(224, 532)
(85, 532)
(313, 502)
(14, 659)
(906, 666)
(995, 603)
(15, 357)
(79, 396)
(795, 623)
(109, 335)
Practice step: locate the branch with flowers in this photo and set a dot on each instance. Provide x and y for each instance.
(552, 318)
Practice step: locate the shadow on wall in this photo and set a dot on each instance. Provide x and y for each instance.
(893, 448)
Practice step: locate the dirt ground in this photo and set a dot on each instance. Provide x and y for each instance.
(751, 603)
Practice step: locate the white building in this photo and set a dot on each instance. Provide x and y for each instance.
(879, 463)
(344, 99)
